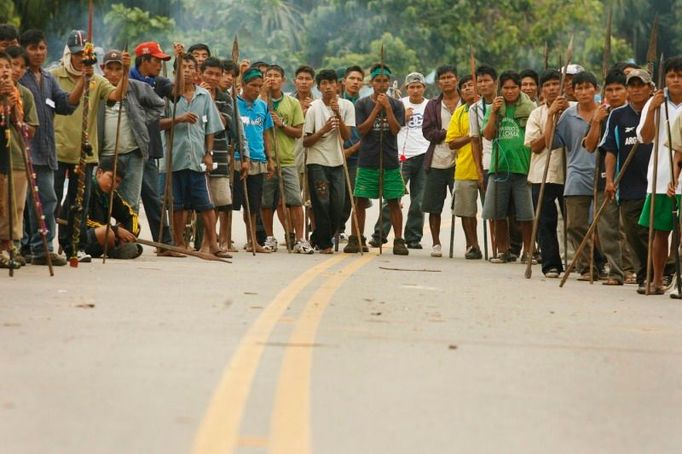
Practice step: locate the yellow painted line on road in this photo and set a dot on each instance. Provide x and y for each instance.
(219, 430)
(290, 423)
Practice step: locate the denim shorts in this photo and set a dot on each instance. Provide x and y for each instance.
(190, 191)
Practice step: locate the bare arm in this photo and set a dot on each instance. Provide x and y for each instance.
(649, 128)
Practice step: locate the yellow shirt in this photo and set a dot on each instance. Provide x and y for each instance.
(459, 127)
(68, 128)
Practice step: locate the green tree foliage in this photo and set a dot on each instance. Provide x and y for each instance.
(134, 25)
(417, 34)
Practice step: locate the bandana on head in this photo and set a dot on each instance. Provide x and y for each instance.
(250, 74)
(66, 63)
(380, 71)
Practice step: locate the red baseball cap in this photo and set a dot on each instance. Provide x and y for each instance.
(151, 48)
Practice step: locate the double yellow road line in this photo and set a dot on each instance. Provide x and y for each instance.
(290, 423)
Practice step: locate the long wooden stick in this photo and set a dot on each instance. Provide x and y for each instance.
(247, 205)
(124, 92)
(545, 173)
(89, 59)
(11, 203)
(167, 200)
(349, 187)
(381, 170)
(35, 197)
(282, 198)
(181, 250)
(597, 215)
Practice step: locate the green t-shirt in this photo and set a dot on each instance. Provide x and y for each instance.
(16, 140)
(509, 152)
(290, 110)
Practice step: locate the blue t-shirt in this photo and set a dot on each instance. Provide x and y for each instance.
(570, 131)
(620, 136)
(256, 121)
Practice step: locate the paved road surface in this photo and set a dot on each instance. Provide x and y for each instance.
(333, 355)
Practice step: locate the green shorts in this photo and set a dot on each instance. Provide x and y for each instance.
(367, 184)
(663, 212)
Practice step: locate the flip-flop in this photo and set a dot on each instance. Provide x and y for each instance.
(652, 290)
(612, 282)
(222, 254)
(259, 249)
(630, 280)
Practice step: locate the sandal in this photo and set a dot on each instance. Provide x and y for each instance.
(6, 263)
(612, 281)
(259, 249)
(222, 254)
(631, 279)
(585, 277)
(505, 257)
(660, 290)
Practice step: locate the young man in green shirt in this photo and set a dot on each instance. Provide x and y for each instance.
(288, 120)
(505, 125)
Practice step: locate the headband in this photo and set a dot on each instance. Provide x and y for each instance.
(380, 71)
(250, 74)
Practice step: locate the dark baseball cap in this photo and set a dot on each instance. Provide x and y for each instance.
(113, 56)
(76, 41)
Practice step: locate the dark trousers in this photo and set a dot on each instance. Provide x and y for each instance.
(637, 236)
(347, 207)
(151, 194)
(547, 225)
(327, 193)
(413, 173)
(67, 210)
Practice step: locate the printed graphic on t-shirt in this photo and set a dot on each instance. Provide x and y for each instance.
(416, 121)
(258, 121)
(380, 123)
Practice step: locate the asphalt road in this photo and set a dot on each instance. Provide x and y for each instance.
(294, 354)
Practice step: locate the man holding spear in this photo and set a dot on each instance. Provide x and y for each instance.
(546, 210)
(379, 119)
(328, 123)
(618, 143)
(653, 128)
(287, 116)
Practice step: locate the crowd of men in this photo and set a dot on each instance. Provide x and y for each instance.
(219, 137)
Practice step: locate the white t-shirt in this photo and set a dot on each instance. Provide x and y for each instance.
(411, 141)
(475, 127)
(443, 156)
(663, 177)
(535, 128)
(328, 150)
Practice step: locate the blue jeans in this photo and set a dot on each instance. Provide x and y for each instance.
(327, 194)
(48, 199)
(414, 174)
(151, 200)
(131, 185)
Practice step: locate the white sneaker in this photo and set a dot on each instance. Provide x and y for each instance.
(271, 243)
(303, 247)
(436, 251)
(83, 257)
